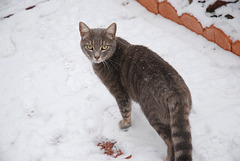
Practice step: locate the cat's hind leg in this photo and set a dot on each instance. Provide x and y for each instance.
(165, 133)
(163, 130)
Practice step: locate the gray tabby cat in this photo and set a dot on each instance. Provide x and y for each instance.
(132, 72)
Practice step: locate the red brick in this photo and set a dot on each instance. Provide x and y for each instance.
(236, 47)
(222, 40)
(150, 5)
(218, 36)
(208, 33)
(192, 23)
(168, 11)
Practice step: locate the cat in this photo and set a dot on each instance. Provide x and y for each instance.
(134, 72)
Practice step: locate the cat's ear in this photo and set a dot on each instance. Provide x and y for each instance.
(111, 31)
(84, 30)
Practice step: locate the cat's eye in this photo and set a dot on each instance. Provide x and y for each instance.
(89, 47)
(104, 47)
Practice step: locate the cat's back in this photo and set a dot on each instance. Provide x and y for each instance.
(145, 73)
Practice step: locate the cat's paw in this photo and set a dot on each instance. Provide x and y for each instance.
(124, 125)
(167, 159)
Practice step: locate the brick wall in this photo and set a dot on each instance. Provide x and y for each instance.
(211, 33)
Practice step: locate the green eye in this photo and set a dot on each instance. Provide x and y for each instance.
(89, 47)
(104, 47)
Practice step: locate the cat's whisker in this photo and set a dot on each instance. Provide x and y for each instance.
(112, 63)
(106, 66)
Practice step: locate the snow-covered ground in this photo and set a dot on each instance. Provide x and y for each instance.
(53, 107)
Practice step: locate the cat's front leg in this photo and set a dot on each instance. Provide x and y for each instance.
(125, 122)
(125, 109)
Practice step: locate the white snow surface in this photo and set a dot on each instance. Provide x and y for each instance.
(54, 108)
(231, 27)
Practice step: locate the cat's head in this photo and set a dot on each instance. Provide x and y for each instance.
(98, 44)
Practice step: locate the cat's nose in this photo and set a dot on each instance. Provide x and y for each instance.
(96, 57)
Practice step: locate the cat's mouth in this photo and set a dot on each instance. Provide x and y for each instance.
(97, 61)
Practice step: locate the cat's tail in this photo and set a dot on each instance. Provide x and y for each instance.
(180, 131)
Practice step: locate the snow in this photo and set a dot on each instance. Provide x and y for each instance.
(54, 108)
(198, 10)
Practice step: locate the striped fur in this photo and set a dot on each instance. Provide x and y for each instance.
(132, 72)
